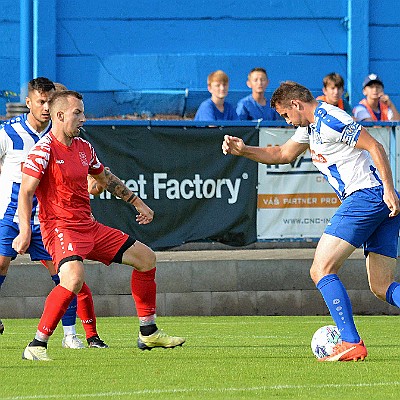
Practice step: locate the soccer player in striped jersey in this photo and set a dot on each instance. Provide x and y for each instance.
(17, 136)
(358, 169)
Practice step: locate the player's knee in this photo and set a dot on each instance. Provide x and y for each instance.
(4, 264)
(72, 281)
(315, 274)
(149, 261)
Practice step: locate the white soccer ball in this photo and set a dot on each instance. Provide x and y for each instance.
(324, 340)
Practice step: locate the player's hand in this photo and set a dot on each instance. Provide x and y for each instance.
(21, 243)
(232, 145)
(392, 201)
(92, 186)
(146, 214)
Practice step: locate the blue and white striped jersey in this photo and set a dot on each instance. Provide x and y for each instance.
(17, 138)
(332, 139)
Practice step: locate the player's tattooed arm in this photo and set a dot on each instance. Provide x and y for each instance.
(107, 180)
(117, 188)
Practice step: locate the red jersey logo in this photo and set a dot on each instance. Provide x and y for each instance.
(317, 157)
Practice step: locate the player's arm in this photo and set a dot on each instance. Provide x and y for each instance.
(94, 187)
(367, 142)
(25, 200)
(283, 154)
(107, 180)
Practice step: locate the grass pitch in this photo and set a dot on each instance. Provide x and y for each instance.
(223, 358)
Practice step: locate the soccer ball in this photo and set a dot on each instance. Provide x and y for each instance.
(324, 340)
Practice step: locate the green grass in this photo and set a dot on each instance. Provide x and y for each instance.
(224, 358)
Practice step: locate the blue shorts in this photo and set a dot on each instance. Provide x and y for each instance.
(9, 231)
(363, 219)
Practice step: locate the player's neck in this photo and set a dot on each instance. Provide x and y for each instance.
(309, 109)
(61, 136)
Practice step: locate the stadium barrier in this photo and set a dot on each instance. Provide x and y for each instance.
(180, 171)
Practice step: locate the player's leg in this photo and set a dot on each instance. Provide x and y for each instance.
(330, 254)
(88, 317)
(143, 287)
(4, 264)
(38, 252)
(71, 272)
(381, 250)
(380, 270)
(8, 231)
(70, 339)
(355, 222)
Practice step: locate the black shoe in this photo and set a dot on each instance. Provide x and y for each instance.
(1, 327)
(96, 342)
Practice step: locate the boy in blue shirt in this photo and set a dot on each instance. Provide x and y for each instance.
(216, 108)
(256, 105)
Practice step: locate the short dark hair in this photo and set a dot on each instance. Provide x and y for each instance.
(288, 91)
(334, 78)
(40, 84)
(62, 95)
(258, 69)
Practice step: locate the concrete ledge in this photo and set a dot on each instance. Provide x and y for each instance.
(235, 282)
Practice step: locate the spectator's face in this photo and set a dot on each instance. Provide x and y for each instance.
(333, 93)
(373, 91)
(258, 82)
(218, 89)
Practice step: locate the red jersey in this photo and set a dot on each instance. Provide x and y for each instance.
(62, 170)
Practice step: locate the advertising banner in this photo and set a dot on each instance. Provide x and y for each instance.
(295, 202)
(196, 192)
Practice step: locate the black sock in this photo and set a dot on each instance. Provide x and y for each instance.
(147, 330)
(36, 342)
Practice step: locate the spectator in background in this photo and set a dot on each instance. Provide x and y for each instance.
(376, 106)
(333, 89)
(256, 105)
(216, 108)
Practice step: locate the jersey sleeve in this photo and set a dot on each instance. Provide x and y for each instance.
(37, 160)
(301, 135)
(339, 126)
(3, 143)
(95, 166)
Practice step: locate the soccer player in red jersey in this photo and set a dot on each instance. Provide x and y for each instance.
(17, 136)
(56, 171)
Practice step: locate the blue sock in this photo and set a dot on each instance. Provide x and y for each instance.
(56, 279)
(2, 277)
(393, 294)
(338, 302)
(69, 317)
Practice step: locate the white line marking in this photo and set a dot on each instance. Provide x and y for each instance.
(205, 390)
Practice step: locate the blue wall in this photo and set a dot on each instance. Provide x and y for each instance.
(123, 55)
